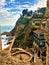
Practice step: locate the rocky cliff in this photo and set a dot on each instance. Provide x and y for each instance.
(23, 33)
(23, 30)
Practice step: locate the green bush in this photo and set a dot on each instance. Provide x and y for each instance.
(35, 27)
(24, 20)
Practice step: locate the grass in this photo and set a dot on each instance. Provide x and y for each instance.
(35, 26)
(24, 20)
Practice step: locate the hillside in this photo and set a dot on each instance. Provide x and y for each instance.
(23, 30)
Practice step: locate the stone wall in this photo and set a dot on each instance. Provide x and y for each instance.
(47, 33)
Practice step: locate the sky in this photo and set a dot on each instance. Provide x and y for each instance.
(10, 10)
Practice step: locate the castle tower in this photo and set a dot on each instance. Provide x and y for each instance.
(0, 40)
(47, 33)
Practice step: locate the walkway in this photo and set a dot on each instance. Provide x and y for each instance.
(22, 51)
(10, 45)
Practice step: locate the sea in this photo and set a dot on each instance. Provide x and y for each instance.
(4, 37)
(6, 28)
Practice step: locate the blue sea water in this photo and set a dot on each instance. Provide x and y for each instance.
(4, 40)
(6, 28)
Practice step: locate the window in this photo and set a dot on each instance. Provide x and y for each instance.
(36, 35)
(44, 26)
(41, 36)
(42, 44)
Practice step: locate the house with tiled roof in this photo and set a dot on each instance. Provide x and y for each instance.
(40, 44)
(39, 37)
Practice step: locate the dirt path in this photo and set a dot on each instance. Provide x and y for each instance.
(12, 41)
(25, 53)
(10, 45)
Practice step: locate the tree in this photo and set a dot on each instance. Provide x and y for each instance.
(29, 13)
(24, 12)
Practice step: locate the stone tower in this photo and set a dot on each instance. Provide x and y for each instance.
(47, 33)
(0, 40)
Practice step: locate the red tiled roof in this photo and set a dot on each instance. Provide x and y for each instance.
(38, 31)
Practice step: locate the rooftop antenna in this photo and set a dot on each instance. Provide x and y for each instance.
(0, 39)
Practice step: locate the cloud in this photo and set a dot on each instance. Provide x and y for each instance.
(4, 14)
(42, 3)
(11, 0)
(32, 7)
(28, 2)
(10, 21)
(8, 18)
(38, 5)
(2, 2)
(9, 15)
